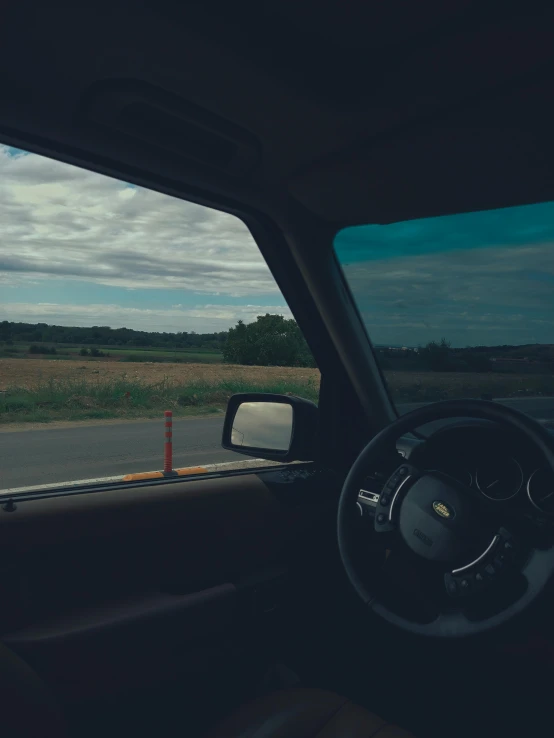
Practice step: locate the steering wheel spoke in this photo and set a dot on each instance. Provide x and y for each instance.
(396, 486)
(483, 572)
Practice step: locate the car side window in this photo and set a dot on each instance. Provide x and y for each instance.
(129, 318)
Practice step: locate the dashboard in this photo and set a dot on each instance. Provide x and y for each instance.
(495, 462)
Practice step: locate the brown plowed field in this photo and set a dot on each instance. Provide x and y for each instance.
(24, 373)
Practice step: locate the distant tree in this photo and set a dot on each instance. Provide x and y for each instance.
(97, 353)
(383, 359)
(34, 349)
(477, 362)
(437, 356)
(83, 352)
(5, 330)
(237, 349)
(271, 340)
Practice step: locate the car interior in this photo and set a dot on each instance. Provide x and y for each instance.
(356, 587)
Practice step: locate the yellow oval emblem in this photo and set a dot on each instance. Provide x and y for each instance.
(442, 509)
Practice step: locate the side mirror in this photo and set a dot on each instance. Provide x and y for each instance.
(274, 427)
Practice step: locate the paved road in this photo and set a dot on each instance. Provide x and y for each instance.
(83, 452)
(50, 455)
(541, 408)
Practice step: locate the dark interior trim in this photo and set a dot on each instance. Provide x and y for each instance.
(200, 612)
(19, 497)
(51, 517)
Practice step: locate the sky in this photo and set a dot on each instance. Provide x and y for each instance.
(482, 278)
(263, 425)
(80, 248)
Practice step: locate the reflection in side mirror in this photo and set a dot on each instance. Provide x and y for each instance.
(263, 425)
(269, 426)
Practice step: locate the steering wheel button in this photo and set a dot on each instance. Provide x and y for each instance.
(403, 471)
(479, 578)
(384, 500)
(381, 518)
(465, 585)
(452, 587)
(490, 571)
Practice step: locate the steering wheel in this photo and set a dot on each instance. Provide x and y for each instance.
(450, 530)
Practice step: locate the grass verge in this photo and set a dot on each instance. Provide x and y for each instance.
(74, 399)
(103, 397)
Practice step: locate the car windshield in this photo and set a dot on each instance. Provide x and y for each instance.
(459, 306)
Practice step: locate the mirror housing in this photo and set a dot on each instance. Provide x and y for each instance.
(286, 422)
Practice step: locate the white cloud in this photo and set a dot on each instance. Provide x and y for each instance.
(199, 318)
(471, 296)
(60, 220)
(63, 222)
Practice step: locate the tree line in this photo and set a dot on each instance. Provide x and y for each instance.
(101, 335)
(440, 356)
(271, 340)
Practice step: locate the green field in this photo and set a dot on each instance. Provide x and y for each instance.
(201, 356)
(66, 352)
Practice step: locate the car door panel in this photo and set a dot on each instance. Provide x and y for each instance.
(132, 586)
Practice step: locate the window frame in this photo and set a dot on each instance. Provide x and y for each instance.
(298, 249)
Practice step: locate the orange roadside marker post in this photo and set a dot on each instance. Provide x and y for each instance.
(168, 471)
(168, 446)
